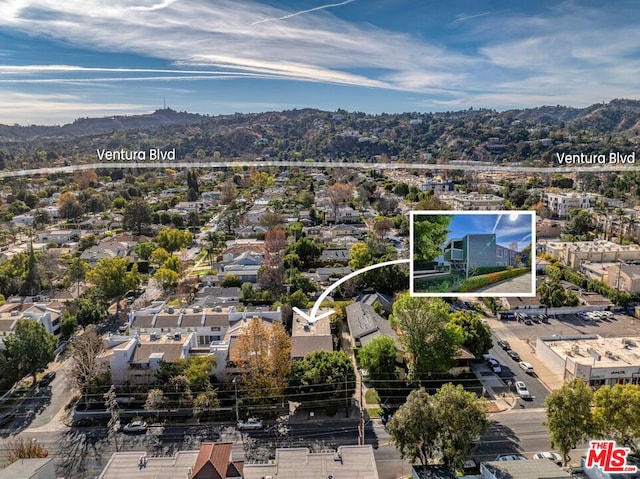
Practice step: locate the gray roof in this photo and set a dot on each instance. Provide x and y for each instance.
(530, 469)
(365, 324)
(303, 345)
(27, 468)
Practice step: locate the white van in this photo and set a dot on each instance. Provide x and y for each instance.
(526, 367)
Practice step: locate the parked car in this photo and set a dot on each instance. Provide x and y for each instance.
(504, 344)
(250, 424)
(526, 367)
(551, 456)
(521, 389)
(513, 355)
(535, 319)
(523, 318)
(511, 457)
(7, 418)
(135, 426)
(543, 318)
(47, 378)
(495, 366)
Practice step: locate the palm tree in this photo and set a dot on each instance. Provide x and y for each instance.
(620, 213)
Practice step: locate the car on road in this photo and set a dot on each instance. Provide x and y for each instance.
(511, 457)
(521, 389)
(513, 355)
(504, 344)
(495, 366)
(7, 418)
(135, 426)
(47, 378)
(551, 456)
(526, 367)
(250, 424)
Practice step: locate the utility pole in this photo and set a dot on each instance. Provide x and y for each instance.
(361, 424)
(112, 407)
(235, 384)
(346, 397)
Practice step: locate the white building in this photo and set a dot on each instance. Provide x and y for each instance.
(596, 360)
(560, 203)
(472, 201)
(575, 253)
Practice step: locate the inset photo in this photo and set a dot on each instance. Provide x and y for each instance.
(472, 253)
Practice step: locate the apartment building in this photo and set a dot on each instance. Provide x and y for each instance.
(560, 203)
(472, 201)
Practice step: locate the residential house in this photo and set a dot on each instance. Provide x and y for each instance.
(334, 256)
(58, 237)
(245, 265)
(26, 219)
(372, 298)
(346, 230)
(251, 231)
(108, 248)
(365, 324)
(48, 314)
(343, 214)
(546, 228)
(323, 275)
(348, 462)
(135, 359)
(309, 337)
(437, 185)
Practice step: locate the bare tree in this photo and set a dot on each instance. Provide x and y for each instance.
(87, 363)
(26, 449)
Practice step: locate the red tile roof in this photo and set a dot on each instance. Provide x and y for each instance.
(214, 462)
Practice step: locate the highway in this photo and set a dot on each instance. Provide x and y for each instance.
(471, 166)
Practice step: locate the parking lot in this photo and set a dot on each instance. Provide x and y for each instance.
(572, 324)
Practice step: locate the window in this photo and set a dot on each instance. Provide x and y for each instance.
(499, 252)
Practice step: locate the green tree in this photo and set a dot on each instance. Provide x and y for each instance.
(137, 216)
(231, 280)
(89, 312)
(441, 426)
(323, 379)
(429, 234)
(461, 417)
(616, 413)
(307, 251)
(77, 272)
(579, 223)
(30, 348)
(378, 357)
(173, 239)
(414, 429)
(69, 207)
(476, 335)
(166, 278)
(111, 278)
(144, 249)
(159, 256)
(430, 340)
(569, 419)
(493, 304)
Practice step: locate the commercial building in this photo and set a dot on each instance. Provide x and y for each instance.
(596, 360)
(575, 253)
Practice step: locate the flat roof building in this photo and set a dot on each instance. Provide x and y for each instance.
(597, 360)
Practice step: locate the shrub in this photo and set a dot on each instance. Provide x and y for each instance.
(476, 282)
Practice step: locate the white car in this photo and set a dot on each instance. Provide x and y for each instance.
(495, 366)
(249, 424)
(526, 367)
(521, 389)
(551, 456)
(135, 426)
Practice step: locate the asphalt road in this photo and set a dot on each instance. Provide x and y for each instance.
(511, 372)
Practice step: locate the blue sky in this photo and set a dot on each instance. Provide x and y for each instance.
(508, 227)
(60, 60)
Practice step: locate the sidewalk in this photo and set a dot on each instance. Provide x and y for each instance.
(500, 400)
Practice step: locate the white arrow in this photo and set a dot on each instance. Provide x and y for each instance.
(313, 315)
